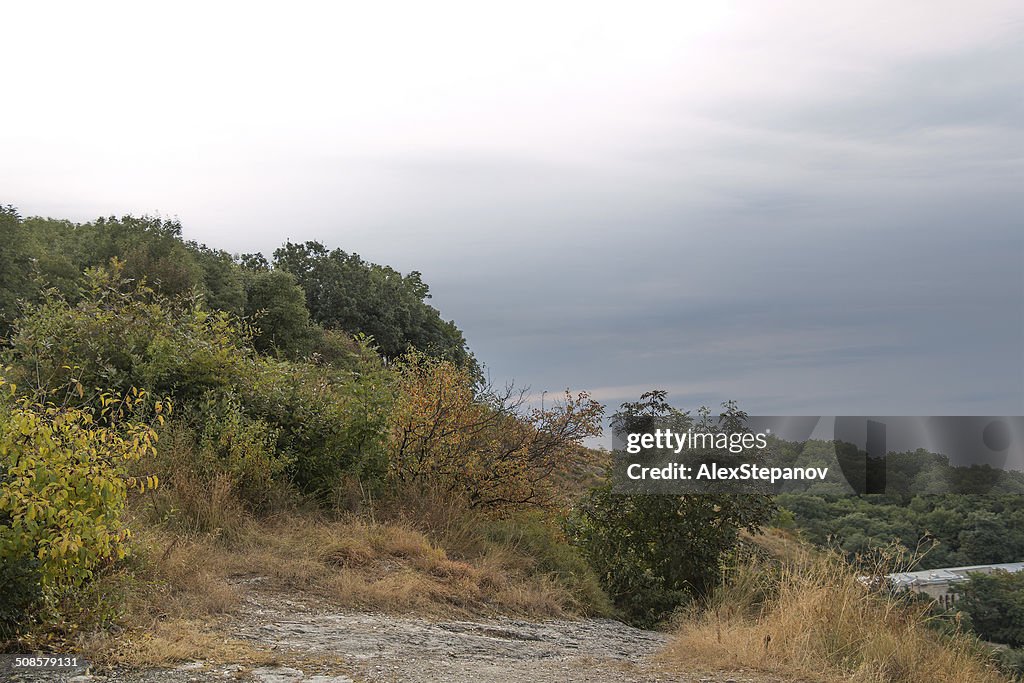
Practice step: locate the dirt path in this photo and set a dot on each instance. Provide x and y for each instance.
(336, 646)
(385, 648)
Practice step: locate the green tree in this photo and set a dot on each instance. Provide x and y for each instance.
(345, 292)
(16, 260)
(995, 605)
(278, 306)
(653, 552)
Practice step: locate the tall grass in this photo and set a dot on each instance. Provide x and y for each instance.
(810, 616)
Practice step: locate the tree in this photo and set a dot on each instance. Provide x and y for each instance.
(345, 292)
(15, 266)
(995, 605)
(653, 552)
(278, 307)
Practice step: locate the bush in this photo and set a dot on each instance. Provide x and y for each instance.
(330, 423)
(63, 487)
(227, 441)
(123, 334)
(314, 424)
(484, 447)
(654, 552)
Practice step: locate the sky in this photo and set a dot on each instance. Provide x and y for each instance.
(813, 208)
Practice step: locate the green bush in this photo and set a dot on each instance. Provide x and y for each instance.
(122, 334)
(330, 422)
(243, 447)
(262, 418)
(654, 552)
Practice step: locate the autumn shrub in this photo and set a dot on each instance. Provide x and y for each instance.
(484, 447)
(63, 486)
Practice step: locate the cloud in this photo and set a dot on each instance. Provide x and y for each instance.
(807, 207)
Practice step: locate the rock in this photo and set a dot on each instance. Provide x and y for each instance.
(277, 674)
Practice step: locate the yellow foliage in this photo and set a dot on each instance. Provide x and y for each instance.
(484, 446)
(63, 483)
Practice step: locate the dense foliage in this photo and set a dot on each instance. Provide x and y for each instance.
(654, 552)
(307, 289)
(951, 529)
(345, 292)
(63, 485)
(994, 605)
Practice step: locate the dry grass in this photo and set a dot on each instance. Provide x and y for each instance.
(170, 642)
(180, 590)
(810, 618)
(196, 545)
(392, 567)
(352, 563)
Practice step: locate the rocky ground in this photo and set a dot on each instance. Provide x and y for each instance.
(330, 646)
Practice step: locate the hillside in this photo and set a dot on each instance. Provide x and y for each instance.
(217, 465)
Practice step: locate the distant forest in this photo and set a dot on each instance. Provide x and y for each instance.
(952, 516)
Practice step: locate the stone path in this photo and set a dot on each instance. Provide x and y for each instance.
(347, 646)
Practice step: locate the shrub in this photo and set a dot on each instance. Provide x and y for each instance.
(484, 447)
(122, 334)
(242, 447)
(314, 424)
(654, 552)
(330, 422)
(63, 487)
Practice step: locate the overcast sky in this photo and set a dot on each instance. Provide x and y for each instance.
(810, 207)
